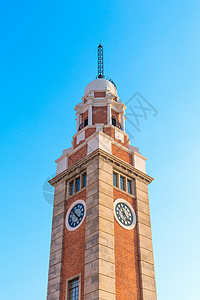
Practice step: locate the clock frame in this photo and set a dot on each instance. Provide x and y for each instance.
(70, 210)
(130, 211)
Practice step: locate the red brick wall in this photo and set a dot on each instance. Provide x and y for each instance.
(89, 132)
(109, 131)
(74, 142)
(99, 114)
(77, 156)
(126, 141)
(126, 257)
(122, 154)
(99, 94)
(74, 250)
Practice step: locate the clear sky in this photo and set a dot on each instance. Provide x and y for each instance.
(47, 57)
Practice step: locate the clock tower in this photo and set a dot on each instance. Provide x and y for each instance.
(101, 244)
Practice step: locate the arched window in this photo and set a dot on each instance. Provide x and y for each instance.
(85, 122)
(114, 123)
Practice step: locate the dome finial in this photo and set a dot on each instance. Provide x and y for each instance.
(100, 61)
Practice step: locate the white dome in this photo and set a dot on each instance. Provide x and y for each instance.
(101, 84)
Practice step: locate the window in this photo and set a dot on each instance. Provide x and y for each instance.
(77, 184)
(84, 180)
(86, 122)
(124, 183)
(114, 121)
(73, 289)
(129, 186)
(122, 187)
(115, 179)
(71, 187)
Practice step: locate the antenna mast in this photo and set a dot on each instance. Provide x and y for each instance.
(100, 62)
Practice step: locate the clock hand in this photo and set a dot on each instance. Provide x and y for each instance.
(123, 212)
(125, 215)
(76, 215)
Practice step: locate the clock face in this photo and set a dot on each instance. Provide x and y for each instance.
(124, 214)
(75, 215)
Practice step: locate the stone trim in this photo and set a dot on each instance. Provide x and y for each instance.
(117, 163)
(99, 275)
(57, 239)
(145, 247)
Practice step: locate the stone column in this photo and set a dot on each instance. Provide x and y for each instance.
(109, 114)
(99, 281)
(90, 114)
(57, 238)
(123, 121)
(146, 261)
(77, 121)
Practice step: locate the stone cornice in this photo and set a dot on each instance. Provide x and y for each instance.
(118, 106)
(116, 162)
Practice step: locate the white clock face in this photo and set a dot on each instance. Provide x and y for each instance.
(75, 215)
(124, 214)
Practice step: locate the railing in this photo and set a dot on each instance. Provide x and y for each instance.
(81, 126)
(117, 124)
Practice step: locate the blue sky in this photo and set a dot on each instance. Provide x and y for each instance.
(47, 57)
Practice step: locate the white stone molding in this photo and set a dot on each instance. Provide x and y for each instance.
(99, 126)
(77, 121)
(119, 135)
(123, 121)
(109, 114)
(105, 144)
(62, 165)
(80, 137)
(118, 106)
(100, 141)
(90, 114)
(117, 163)
(139, 161)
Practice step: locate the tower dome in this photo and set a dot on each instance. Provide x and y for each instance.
(100, 84)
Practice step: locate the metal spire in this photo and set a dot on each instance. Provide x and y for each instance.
(100, 62)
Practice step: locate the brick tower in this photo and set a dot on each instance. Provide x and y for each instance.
(101, 245)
